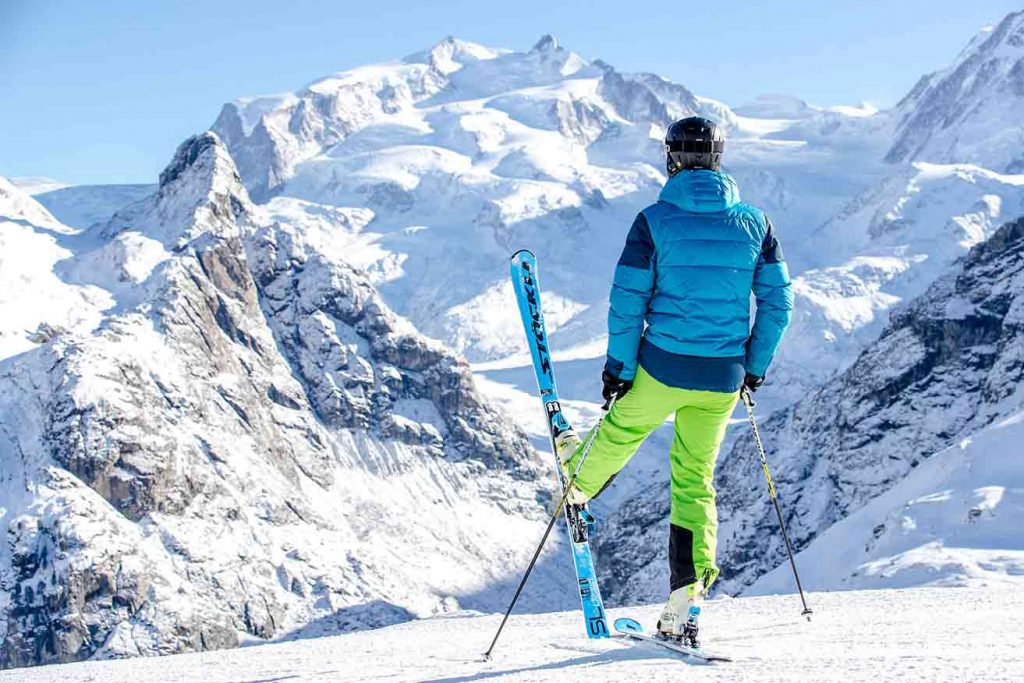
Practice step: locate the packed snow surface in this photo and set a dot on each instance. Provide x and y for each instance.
(923, 634)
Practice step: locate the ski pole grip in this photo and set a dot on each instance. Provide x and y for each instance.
(748, 398)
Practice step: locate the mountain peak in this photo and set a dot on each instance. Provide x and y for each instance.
(200, 191)
(203, 153)
(547, 43)
(451, 54)
(203, 170)
(984, 84)
(995, 39)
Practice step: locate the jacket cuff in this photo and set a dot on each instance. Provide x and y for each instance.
(619, 369)
(756, 368)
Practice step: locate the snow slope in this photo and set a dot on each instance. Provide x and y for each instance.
(34, 301)
(83, 205)
(953, 521)
(923, 634)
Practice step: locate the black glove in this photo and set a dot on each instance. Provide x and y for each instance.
(753, 382)
(613, 386)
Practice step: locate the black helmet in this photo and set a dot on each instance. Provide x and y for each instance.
(694, 142)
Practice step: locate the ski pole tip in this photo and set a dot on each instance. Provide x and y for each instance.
(487, 657)
(807, 613)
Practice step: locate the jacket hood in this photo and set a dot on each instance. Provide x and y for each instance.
(701, 191)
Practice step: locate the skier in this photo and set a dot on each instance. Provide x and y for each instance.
(680, 342)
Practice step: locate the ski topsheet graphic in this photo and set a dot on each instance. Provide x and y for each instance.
(578, 520)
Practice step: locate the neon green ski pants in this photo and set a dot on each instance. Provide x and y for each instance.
(701, 418)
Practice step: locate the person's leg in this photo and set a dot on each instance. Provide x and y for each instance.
(633, 417)
(699, 430)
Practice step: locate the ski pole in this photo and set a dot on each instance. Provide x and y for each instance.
(748, 401)
(551, 522)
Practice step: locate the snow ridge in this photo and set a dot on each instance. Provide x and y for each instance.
(959, 114)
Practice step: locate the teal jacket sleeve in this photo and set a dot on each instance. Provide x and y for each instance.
(631, 294)
(773, 292)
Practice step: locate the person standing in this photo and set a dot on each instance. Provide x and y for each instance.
(680, 343)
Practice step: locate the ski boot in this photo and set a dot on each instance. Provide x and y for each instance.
(678, 622)
(566, 445)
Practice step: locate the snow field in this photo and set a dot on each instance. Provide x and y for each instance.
(921, 634)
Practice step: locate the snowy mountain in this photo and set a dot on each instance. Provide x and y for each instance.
(80, 206)
(883, 249)
(960, 114)
(907, 635)
(33, 185)
(30, 292)
(948, 365)
(953, 178)
(461, 153)
(214, 430)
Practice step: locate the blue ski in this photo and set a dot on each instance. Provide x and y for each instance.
(577, 518)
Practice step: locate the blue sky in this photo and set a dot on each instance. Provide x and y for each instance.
(95, 92)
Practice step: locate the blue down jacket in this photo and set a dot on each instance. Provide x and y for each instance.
(687, 270)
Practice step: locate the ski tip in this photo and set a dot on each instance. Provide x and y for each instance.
(523, 253)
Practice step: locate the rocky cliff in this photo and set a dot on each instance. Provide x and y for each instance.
(242, 441)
